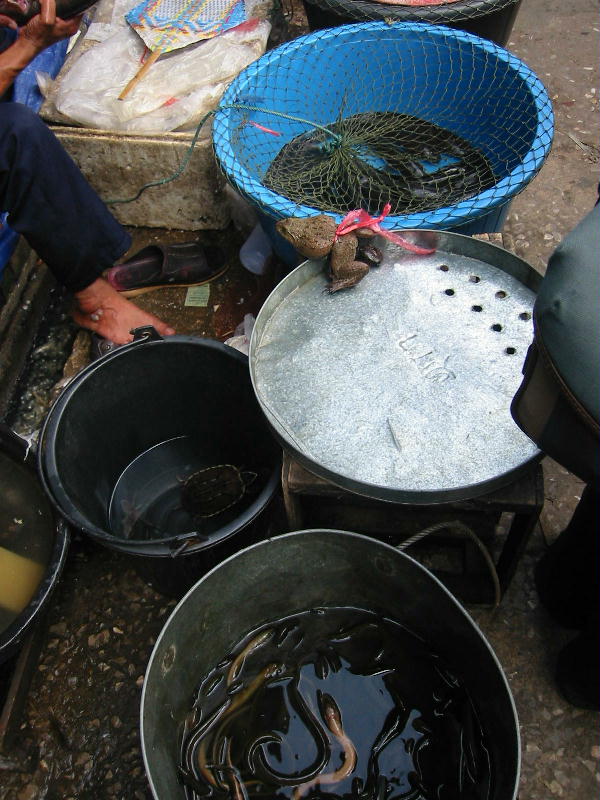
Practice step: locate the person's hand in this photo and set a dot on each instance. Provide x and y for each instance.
(104, 311)
(46, 28)
(19, 6)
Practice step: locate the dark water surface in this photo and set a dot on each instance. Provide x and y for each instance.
(334, 703)
(373, 158)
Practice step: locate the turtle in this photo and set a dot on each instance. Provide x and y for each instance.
(210, 491)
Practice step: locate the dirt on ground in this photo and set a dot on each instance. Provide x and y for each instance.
(79, 734)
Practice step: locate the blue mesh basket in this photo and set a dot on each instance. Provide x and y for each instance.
(465, 84)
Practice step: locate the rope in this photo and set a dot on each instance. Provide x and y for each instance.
(188, 154)
(459, 527)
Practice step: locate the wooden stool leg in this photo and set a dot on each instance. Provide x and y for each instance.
(291, 503)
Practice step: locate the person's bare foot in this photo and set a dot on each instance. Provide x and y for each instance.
(104, 311)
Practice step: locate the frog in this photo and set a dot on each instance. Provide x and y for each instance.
(350, 256)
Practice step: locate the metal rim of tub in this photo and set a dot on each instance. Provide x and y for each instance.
(11, 636)
(447, 245)
(276, 205)
(154, 665)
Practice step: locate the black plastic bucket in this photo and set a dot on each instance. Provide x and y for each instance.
(490, 19)
(307, 570)
(122, 438)
(30, 534)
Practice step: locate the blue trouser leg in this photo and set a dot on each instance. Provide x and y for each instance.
(51, 204)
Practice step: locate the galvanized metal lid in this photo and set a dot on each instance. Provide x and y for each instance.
(400, 387)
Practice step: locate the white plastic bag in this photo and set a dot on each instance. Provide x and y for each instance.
(178, 90)
(241, 336)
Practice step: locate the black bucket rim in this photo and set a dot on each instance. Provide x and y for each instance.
(348, 535)
(442, 14)
(159, 548)
(10, 638)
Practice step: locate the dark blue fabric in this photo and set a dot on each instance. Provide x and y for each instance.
(8, 238)
(51, 204)
(7, 37)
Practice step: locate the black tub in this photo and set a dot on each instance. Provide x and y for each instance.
(299, 571)
(490, 19)
(124, 435)
(40, 536)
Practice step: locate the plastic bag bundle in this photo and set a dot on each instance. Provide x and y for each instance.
(175, 94)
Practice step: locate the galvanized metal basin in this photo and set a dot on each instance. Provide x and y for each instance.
(400, 387)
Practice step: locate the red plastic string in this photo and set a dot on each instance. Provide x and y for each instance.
(248, 25)
(360, 219)
(262, 128)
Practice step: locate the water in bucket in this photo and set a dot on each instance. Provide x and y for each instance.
(338, 702)
(25, 543)
(177, 487)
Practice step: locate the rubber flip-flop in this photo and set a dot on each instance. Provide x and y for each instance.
(158, 266)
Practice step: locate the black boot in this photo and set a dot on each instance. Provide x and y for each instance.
(578, 669)
(567, 577)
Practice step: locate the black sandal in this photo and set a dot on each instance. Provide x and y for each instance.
(158, 266)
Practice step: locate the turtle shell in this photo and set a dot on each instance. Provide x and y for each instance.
(210, 491)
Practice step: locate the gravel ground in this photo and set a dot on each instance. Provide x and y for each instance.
(79, 737)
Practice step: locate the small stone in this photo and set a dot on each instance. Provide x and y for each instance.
(595, 751)
(99, 639)
(116, 722)
(140, 681)
(58, 629)
(29, 792)
(562, 778)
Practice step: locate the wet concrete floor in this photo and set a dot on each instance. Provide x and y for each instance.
(79, 732)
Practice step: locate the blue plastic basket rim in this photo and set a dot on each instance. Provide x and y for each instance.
(278, 205)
